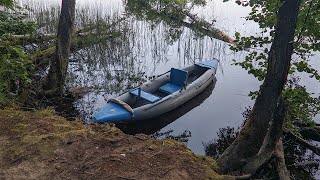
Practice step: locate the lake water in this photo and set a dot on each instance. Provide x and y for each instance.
(145, 49)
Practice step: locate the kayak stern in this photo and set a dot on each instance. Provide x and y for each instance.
(112, 112)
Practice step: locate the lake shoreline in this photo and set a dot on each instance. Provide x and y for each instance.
(42, 145)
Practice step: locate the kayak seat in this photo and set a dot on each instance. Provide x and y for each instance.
(145, 95)
(178, 79)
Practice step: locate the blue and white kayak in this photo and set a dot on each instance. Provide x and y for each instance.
(160, 95)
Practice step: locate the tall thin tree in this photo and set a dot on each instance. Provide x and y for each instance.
(59, 64)
(252, 135)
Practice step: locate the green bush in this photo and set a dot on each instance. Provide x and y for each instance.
(15, 67)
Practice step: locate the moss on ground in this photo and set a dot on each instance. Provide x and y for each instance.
(42, 145)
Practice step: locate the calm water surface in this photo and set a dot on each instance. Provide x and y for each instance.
(146, 50)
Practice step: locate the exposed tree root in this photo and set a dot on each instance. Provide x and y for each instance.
(280, 162)
(270, 141)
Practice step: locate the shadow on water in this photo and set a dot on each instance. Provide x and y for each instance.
(152, 126)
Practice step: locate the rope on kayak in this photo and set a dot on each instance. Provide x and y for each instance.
(123, 104)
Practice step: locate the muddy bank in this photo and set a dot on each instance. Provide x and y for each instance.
(41, 145)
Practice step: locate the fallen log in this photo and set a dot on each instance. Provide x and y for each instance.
(42, 54)
(77, 43)
(12, 40)
(201, 25)
(24, 39)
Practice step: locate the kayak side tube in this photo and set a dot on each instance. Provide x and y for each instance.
(176, 99)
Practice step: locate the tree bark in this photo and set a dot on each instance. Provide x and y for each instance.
(280, 162)
(59, 64)
(270, 141)
(254, 131)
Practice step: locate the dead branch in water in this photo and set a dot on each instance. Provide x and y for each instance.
(198, 24)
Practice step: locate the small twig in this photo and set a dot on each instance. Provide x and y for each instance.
(127, 178)
(156, 153)
(243, 177)
(117, 160)
(89, 173)
(17, 159)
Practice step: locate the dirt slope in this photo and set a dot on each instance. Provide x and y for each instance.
(40, 145)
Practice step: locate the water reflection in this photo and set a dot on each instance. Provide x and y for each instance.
(140, 51)
(152, 126)
(143, 49)
(143, 45)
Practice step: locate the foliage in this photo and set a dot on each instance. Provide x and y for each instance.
(7, 3)
(14, 68)
(14, 64)
(175, 13)
(302, 104)
(216, 147)
(12, 23)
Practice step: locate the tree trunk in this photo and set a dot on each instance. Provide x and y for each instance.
(253, 133)
(59, 64)
(270, 141)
